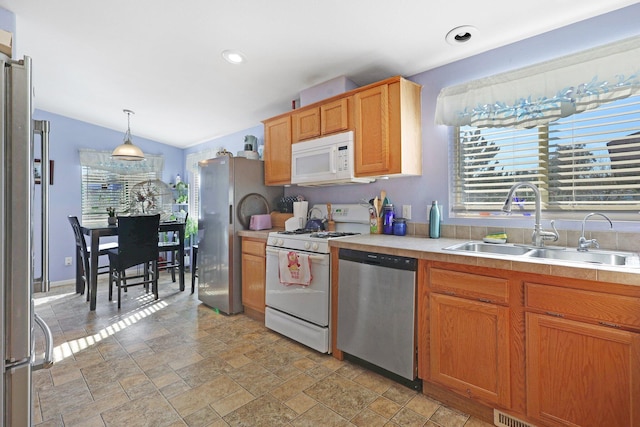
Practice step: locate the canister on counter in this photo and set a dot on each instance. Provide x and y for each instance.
(400, 226)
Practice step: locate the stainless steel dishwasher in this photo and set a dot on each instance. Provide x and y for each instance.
(376, 310)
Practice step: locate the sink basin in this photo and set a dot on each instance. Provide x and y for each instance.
(594, 257)
(490, 248)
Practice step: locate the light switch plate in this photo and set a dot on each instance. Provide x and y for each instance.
(406, 211)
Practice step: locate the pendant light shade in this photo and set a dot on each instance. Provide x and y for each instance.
(126, 150)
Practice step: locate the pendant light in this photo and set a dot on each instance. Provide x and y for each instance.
(126, 150)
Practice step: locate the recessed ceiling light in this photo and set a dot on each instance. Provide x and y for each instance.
(460, 35)
(234, 56)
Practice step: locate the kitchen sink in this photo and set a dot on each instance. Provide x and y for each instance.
(550, 253)
(594, 257)
(490, 248)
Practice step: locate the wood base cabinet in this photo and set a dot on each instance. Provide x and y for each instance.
(550, 351)
(580, 374)
(583, 357)
(254, 265)
(469, 334)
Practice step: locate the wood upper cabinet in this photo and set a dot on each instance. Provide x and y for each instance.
(277, 151)
(253, 276)
(582, 357)
(306, 124)
(327, 118)
(469, 334)
(388, 137)
(334, 116)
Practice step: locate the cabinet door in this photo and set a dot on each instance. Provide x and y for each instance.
(470, 347)
(306, 124)
(372, 149)
(277, 151)
(253, 277)
(334, 116)
(580, 374)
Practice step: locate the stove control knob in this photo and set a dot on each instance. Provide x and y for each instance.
(314, 246)
(280, 242)
(307, 245)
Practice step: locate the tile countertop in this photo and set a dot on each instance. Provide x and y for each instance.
(432, 249)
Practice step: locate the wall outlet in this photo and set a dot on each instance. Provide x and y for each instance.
(68, 260)
(406, 211)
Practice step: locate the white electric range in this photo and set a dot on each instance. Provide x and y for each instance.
(302, 312)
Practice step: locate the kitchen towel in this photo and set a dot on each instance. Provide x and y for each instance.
(295, 268)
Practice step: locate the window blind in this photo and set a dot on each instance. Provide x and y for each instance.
(194, 179)
(588, 161)
(107, 183)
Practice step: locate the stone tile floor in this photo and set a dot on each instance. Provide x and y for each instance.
(176, 362)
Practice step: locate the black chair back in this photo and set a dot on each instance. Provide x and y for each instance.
(137, 240)
(81, 246)
(80, 242)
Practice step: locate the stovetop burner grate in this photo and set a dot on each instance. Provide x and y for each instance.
(330, 234)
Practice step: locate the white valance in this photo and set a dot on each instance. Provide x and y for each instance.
(538, 94)
(103, 160)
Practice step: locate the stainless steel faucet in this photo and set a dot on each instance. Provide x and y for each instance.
(583, 242)
(539, 235)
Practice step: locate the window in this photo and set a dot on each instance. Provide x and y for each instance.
(194, 179)
(107, 182)
(586, 161)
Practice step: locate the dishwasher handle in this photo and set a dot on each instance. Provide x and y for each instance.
(380, 260)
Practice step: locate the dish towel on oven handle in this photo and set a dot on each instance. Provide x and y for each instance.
(294, 268)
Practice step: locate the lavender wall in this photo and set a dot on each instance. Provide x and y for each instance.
(67, 136)
(432, 185)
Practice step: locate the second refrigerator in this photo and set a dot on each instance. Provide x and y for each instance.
(231, 189)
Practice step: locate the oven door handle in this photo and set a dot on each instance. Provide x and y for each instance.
(311, 257)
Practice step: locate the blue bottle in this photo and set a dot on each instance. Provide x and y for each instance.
(434, 220)
(388, 216)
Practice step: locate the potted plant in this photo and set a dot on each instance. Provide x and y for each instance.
(111, 211)
(191, 229)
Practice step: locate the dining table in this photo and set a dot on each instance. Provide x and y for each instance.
(97, 230)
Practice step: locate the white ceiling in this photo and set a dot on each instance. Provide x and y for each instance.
(162, 59)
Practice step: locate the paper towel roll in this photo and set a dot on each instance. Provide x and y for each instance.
(300, 209)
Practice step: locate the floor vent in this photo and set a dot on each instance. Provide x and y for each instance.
(500, 419)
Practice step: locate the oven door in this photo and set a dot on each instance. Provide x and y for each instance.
(310, 303)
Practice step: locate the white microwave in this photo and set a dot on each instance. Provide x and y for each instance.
(324, 161)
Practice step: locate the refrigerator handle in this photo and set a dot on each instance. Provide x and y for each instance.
(47, 362)
(230, 214)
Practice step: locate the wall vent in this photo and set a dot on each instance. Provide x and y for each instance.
(500, 419)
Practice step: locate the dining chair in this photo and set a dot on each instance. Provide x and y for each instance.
(85, 254)
(171, 249)
(137, 245)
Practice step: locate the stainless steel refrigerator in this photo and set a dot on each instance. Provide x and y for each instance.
(231, 190)
(17, 316)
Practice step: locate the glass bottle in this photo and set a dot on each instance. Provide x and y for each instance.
(434, 220)
(387, 219)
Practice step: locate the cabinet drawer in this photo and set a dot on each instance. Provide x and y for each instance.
(253, 247)
(485, 288)
(616, 309)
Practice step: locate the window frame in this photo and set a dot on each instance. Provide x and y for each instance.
(546, 183)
